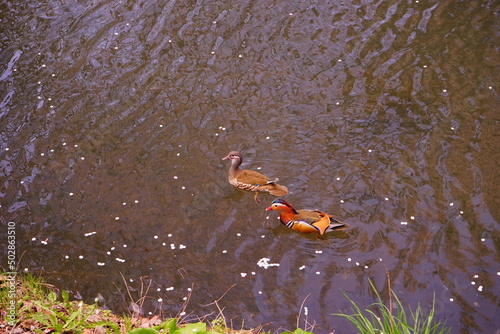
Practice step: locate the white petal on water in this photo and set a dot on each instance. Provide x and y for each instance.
(480, 288)
(451, 299)
(243, 274)
(80, 257)
(264, 263)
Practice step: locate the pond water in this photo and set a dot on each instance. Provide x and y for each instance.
(115, 115)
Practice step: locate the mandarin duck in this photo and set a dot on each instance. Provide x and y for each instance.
(305, 221)
(251, 180)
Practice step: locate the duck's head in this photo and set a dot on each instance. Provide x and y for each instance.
(234, 156)
(280, 205)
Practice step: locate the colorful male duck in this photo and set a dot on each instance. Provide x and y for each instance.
(251, 180)
(305, 221)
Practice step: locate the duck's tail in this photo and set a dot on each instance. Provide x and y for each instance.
(336, 225)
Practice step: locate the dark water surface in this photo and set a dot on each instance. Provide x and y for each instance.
(114, 117)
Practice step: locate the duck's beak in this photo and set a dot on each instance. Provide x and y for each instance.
(226, 157)
(269, 208)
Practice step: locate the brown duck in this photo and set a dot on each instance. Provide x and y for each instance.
(251, 180)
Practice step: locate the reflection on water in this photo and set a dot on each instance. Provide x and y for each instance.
(115, 115)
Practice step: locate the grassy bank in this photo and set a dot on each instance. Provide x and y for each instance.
(28, 304)
(31, 305)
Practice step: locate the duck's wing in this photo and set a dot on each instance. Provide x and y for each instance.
(251, 177)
